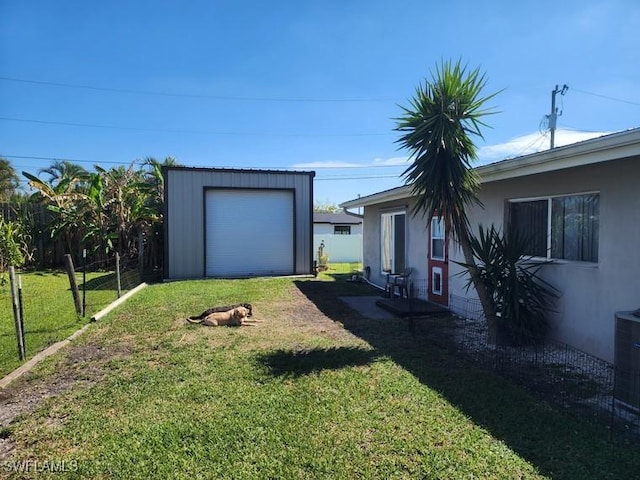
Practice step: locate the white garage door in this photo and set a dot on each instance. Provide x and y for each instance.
(249, 232)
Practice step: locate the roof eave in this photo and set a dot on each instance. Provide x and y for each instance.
(597, 150)
(397, 193)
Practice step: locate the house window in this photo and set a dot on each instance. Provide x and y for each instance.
(563, 227)
(437, 239)
(392, 241)
(436, 281)
(342, 230)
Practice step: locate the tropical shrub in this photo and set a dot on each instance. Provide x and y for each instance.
(105, 211)
(13, 247)
(521, 298)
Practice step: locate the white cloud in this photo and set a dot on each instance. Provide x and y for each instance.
(532, 143)
(393, 161)
(377, 162)
(515, 147)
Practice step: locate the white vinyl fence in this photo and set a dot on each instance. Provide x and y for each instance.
(339, 248)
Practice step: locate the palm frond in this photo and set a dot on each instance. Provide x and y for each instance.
(437, 129)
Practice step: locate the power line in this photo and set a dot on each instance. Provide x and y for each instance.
(607, 97)
(367, 177)
(244, 98)
(198, 132)
(317, 178)
(580, 130)
(98, 162)
(191, 95)
(61, 158)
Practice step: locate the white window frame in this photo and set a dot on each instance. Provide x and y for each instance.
(549, 199)
(432, 238)
(392, 215)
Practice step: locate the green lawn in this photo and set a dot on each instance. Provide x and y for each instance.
(49, 312)
(315, 391)
(344, 267)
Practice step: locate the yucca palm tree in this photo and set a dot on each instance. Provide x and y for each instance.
(437, 129)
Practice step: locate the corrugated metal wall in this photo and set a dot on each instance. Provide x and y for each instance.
(185, 215)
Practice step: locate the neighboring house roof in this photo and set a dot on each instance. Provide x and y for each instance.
(337, 218)
(596, 150)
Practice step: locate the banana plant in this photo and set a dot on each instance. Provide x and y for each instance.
(66, 204)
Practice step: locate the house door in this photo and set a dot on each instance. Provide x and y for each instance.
(438, 264)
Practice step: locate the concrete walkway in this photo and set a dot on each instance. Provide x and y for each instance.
(412, 307)
(367, 307)
(380, 308)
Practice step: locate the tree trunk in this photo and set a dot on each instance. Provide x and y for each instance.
(485, 299)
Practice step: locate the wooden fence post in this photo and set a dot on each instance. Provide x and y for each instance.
(73, 283)
(16, 313)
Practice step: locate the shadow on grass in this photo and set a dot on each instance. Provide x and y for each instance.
(305, 362)
(109, 281)
(349, 287)
(34, 331)
(558, 444)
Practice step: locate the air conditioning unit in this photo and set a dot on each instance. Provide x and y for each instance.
(627, 359)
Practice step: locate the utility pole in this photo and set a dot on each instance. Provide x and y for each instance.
(553, 116)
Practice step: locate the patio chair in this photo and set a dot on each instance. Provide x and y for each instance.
(399, 282)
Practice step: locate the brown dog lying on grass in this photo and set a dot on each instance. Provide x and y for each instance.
(235, 317)
(225, 308)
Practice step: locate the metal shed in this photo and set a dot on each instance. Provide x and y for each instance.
(237, 223)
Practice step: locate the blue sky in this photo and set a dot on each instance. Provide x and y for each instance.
(311, 85)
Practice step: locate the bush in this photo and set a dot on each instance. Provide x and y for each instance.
(522, 300)
(13, 247)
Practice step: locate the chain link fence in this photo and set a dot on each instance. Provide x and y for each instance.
(53, 304)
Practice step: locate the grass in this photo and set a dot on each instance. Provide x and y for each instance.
(49, 312)
(343, 268)
(314, 392)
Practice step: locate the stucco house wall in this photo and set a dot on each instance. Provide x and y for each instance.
(416, 242)
(591, 293)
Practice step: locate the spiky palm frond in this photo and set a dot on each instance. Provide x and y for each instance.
(438, 128)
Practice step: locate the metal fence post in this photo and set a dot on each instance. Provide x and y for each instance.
(16, 313)
(21, 310)
(84, 282)
(118, 274)
(140, 254)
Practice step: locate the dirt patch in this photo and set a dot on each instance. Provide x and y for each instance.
(82, 366)
(24, 398)
(299, 312)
